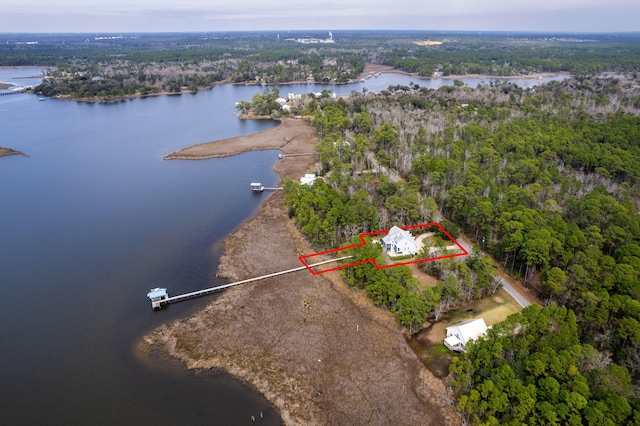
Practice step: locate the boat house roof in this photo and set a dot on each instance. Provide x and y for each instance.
(468, 330)
(157, 293)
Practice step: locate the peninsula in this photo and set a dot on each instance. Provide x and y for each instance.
(279, 137)
(320, 352)
(8, 151)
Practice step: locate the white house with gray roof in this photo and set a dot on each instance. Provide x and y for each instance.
(399, 242)
(460, 334)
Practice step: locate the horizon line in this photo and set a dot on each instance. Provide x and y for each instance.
(321, 29)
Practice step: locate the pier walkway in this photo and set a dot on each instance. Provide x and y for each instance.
(158, 302)
(258, 187)
(16, 92)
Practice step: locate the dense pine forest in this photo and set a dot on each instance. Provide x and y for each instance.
(546, 181)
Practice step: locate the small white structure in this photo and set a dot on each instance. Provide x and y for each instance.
(257, 187)
(158, 297)
(308, 179)
(399, 242)
(460, 334)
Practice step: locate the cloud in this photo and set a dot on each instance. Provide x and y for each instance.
(310, 8)
(199, 15)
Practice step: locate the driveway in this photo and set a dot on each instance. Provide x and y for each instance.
(513, 292)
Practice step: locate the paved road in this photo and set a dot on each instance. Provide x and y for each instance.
(513, 292)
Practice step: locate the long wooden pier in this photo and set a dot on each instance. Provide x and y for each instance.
(300, 154)
(258, 187)
(17, 92)
(159, 301)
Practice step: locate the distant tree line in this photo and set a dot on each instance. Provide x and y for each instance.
(175, 62)
(499, 55)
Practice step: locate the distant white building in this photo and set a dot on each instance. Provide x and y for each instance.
(309, 40)
(318, 95)
(460, 334)
(283, 104)
(399, 242)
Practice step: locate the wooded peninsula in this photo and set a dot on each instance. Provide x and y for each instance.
(544, 180)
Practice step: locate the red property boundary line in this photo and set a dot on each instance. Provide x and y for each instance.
(304, 258)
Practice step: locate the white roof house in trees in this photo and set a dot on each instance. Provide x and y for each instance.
(460, 334)
(308, 179)
(399, 242)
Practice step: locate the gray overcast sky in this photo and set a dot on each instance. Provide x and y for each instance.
(216, 15)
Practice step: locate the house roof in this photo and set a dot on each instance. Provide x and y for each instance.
(397, 234)
(395, 231)
(157, 292)
(452, 341)
(468, 330)
(308, 179)
(400, 238)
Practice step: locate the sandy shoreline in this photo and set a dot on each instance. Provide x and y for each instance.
(21, 67)
(290, 130)
(321, 353)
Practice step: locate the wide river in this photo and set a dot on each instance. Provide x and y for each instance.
(93, 220)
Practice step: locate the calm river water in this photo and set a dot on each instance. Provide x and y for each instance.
(93, 220)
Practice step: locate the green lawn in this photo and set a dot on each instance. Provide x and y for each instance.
(428, 345)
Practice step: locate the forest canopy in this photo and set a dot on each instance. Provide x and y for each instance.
(546, 181)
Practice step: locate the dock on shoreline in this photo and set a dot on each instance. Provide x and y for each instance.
(160, 297)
